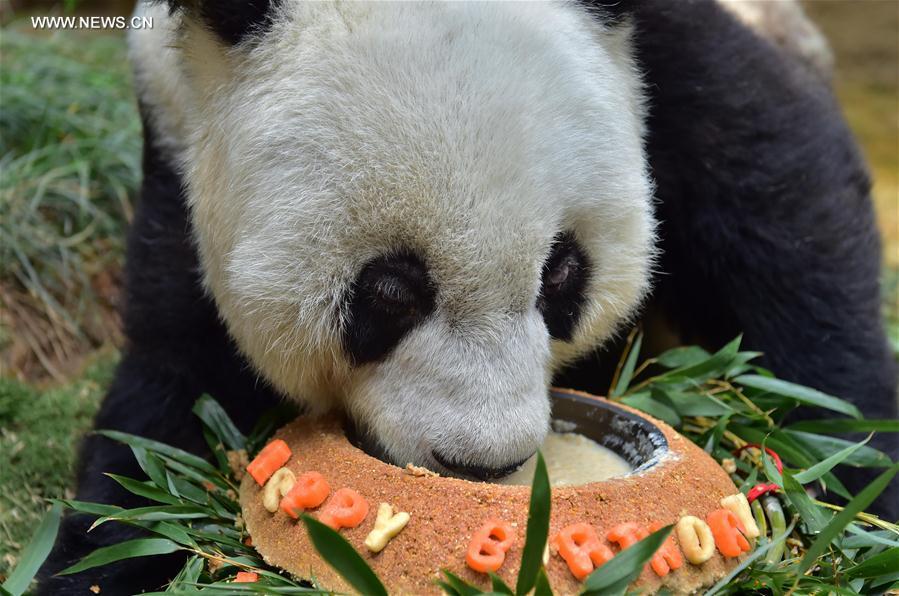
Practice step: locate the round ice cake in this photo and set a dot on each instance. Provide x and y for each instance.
(670, 480)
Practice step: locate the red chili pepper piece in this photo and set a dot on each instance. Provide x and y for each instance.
(768, 450)
(761, 489)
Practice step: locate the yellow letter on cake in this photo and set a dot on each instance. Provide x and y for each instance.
(387, 525)
(739, 506)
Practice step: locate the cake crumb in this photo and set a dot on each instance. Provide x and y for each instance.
(213, 565)
(238, 462)
(729, 465)
(95, 589)
(419, 471)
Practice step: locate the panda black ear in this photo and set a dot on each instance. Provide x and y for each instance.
(611, 12)
(234, 21)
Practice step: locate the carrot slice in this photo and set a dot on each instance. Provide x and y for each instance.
(500, 532)
(246, 577)
(346, 509)
(484, 554)
(728, 531)
(668, 556)
(273, 456)
(579, 545)
(309, 491)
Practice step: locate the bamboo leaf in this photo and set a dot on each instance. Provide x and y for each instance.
(805, 395)
(144, 489)
(499, 586)
(339, 554)
(34, 555)
(863, 539)
(717, 432)
(168, 530)
(447, 588)
(151, 464)
(789, 450)
(693, 404)
(845, 517)
(140, 547)
(200, 477)
(683, 357)
(189, 574)
(740, 364)
(627, 372)
(645, 403)
(812, 515)
(91, 508)
(701, 371)
(877, 566)
(822, 446)
(890, 578)
(186, 489)
(214, 416)
(217, 447)
(180, 455)
(792, 452)
(822, 467)
(459, 585)
(846, 425)
(154, 513)
(770, 469)
(537, 530)
(542, 587)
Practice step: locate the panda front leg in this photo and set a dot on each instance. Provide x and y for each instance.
(768, 228)
(146, 399)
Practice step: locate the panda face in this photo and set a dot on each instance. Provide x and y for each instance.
(416, 213)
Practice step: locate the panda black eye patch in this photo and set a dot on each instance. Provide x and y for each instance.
(564, 280)
(391, 295)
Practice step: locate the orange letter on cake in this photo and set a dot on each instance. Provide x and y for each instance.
(728, 531)
(580, 547)
(346, 509)
(273, 456)
(487, 550)
(308, 492)
(668, 556)
(627, 535)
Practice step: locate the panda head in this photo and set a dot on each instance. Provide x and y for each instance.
(416, 213)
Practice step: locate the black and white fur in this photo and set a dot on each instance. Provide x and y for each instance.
(421, 214)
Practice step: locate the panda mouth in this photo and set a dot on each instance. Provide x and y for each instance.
(474, 472)
(365, 440)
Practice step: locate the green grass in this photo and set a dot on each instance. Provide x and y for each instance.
(39, 434)
(70, 161)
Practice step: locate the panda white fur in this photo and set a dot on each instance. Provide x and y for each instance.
(423, 213)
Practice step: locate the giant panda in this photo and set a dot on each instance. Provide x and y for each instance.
(423, 214)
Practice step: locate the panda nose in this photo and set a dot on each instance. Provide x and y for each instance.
(475, 471)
